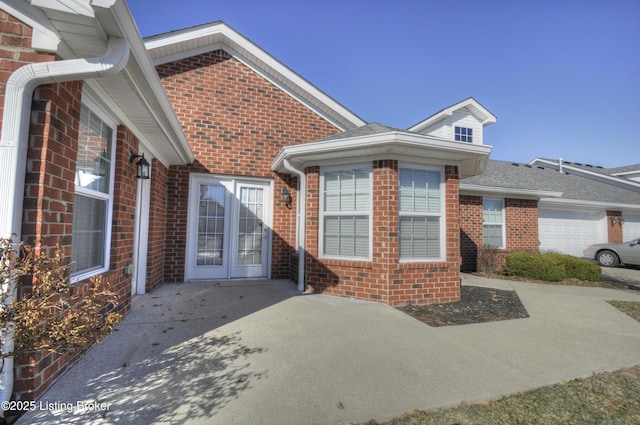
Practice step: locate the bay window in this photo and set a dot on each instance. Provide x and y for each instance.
(421, 213)
(345, 222)
(93, 198)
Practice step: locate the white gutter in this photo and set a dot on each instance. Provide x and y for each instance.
(302, 222)
(13, 153)
(507, 191)
(589, 204)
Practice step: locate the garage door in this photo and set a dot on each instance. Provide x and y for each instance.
(570, 232)
(631, 226)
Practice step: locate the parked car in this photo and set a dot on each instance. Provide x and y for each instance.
(613, 254)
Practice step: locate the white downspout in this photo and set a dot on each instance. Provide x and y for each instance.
(302, 226)
(13, 153)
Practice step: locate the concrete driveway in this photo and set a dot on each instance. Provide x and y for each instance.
(627, 274)
(258, 353)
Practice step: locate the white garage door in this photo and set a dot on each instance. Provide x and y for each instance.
(630, 227)
(570, 232)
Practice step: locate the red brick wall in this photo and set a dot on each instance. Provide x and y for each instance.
(385, 279)
(470, 230)
(49, 189)
(521, 216)
(48, 209)
(614, 231)
(236, 123)
(521, 226)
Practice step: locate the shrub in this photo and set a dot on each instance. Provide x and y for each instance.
(534, 266)
(578, 268)
(551, 266)
(48, 314)
(489, 260)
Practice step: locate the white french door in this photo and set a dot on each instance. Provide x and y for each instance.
(228, 228)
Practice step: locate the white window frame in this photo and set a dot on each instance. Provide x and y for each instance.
(459, 136)
(366, 168)
(442, 215)
(502, 224)
(108, 197)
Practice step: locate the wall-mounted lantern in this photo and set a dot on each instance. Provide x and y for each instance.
(286, 196)
(142, 166)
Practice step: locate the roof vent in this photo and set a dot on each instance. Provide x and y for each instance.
(516, 164)
(540, 167)
(527, 165)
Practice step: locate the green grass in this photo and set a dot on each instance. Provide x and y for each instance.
(603, 399)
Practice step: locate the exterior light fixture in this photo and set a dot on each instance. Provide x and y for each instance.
(142, 166)
(286, 196)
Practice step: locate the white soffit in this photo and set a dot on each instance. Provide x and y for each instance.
(181, 44)
(135, 96)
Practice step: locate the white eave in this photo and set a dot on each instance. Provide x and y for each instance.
(479, 190)
(575, 203)
(471, 159)
(135, 96)
(205, 38)
(472, 105)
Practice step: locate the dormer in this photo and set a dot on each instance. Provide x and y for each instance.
(462, 122)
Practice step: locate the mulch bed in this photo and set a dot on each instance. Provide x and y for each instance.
(477, 305)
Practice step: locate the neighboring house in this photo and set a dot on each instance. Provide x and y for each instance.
(255, 172)
(532, 207)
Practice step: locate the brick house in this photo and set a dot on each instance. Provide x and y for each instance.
(254, 172)
(547, 205)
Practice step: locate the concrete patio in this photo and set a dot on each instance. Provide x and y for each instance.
(259, 353)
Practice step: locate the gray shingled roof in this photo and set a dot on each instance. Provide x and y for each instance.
(599, 169)
(510, 175)
(366, 130)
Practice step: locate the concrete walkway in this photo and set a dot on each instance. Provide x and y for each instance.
(258, 353)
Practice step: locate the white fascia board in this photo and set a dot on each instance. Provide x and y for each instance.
(447, 112)
(589, 174)
(45, 37)
(572, 203)
(478, 190)
(243, 49)
(116, 15)
(379, 144)
(599, 176)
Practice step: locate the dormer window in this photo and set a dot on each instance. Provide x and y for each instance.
(464, 134)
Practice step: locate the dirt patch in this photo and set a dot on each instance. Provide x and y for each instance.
(477, 305)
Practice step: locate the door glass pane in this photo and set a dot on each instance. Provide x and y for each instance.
(210, 225)
(250, 226)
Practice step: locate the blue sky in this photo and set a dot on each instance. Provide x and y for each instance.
(562, 76)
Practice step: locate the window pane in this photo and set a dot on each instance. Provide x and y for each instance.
(346, 236)
(346, 191)
(419, 190)
(492, 235)
(492, 210)
(89, 233)
(94, 152)
(419, 237)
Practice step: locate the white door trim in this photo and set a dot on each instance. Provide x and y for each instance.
(141, 237)
(230, 183)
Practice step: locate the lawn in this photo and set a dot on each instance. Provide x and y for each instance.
(606, 398)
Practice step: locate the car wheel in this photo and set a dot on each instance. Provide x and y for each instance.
(607, 259)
